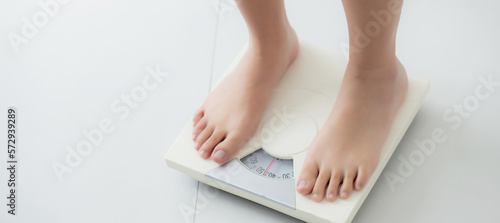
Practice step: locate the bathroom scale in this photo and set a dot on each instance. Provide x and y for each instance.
(266, 168)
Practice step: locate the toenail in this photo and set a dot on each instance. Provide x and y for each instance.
(197, 145)
(194, 136)
(219, 154)
(331, 196)
(343, 194)
(203, 152)
(360, 186)
(315, 195)
(302, 183)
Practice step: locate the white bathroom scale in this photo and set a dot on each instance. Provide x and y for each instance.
(266, 168)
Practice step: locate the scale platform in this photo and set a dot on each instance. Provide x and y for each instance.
(266, 168)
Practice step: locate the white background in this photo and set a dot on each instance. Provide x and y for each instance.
(65, 78)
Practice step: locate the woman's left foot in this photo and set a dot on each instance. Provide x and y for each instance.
(346, 151)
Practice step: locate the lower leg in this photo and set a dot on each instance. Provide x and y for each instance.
(264, 19)
(372, 29)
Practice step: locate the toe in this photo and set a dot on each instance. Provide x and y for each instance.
(307, 177)
(197, 116)
(333, 185)
(362, 178)
(226, 149)
(198, 128)
(208, 146)
(319, 187)
(346, 189)
(203, 136)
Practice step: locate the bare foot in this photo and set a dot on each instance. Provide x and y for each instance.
(346, 151)
(231, 113)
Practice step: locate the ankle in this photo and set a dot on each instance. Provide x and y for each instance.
(372, 58)
(273, 38)
(386, 68)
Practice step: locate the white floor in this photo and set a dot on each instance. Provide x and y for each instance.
(73, 73)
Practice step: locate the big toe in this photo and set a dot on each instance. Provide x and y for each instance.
(307, 178)
(226, 149)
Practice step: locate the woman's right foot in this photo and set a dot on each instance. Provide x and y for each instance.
(231, 113)
(346, 151)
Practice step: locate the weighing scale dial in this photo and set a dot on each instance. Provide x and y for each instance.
(261, 163)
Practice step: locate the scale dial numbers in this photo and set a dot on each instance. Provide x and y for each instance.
(261, 163)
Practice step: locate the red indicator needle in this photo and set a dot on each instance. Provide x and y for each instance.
(269, 166)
